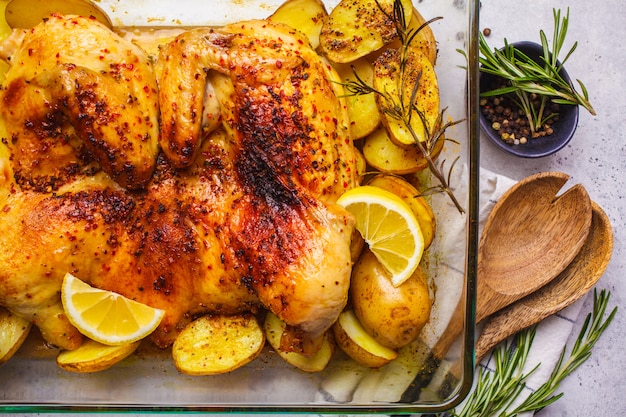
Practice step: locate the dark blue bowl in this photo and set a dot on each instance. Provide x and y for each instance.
(564, 127)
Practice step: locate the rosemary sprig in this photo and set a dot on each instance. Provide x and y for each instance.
(404, 110)
(529, 79)
(496, 392)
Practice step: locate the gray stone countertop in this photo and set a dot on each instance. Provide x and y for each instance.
(596, 158)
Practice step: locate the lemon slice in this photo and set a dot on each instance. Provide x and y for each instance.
(105, 316)
(389, 227)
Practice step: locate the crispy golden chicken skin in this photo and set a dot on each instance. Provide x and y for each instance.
(293, 154)
(78, 97)
(237, 215)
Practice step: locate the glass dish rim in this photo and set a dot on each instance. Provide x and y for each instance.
(473, 129)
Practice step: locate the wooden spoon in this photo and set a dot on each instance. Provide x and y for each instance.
(571, 284)
(532, 225)
(530, 236)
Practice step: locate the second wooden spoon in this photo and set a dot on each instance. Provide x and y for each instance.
(571, 284)
(530, 236)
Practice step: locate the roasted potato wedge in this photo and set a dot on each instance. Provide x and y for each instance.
(394, 316)
(397, 83)
(274, 328)
(352, 338)
(216, 344)
(13, 332)
(420, 207)
(362, 108)
(424, 41)
(356, 28)
(361, 165)
(382, 153)
(307, 16)
(25, 14)
(94, 356)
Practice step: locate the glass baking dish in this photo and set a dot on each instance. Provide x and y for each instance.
(147, 381)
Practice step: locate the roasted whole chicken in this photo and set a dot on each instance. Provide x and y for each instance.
(202, 183)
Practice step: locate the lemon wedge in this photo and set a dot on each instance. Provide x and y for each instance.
(105, 316)
(389, 227)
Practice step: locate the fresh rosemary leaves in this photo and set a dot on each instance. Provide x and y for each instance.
(528, 79)
(404, 110)
(496, 393)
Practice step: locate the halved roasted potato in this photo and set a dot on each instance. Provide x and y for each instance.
(386, 156)
(274, 328)
(352, 338)
(362, 108)
(307, 16)
(398, 104)
(420, 207)
(424, 41)
(356, 28)
(94, 356)
(13, 332)
(216, 344)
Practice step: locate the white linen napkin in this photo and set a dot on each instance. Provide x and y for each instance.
(553, 332)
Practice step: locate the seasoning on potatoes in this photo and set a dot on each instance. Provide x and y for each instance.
(362, 108)
(354, 340)
(215, 344)
(416, 86)
(13, 332)
(305, 15)
(424, 41)
(94, 356)
(274, 328)
(356, 28)
(394, 316)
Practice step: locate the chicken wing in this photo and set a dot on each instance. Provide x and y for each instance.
(294, 158)
(279, 99)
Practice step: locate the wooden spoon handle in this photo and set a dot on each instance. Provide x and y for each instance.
(506, 323)
(453, 330)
